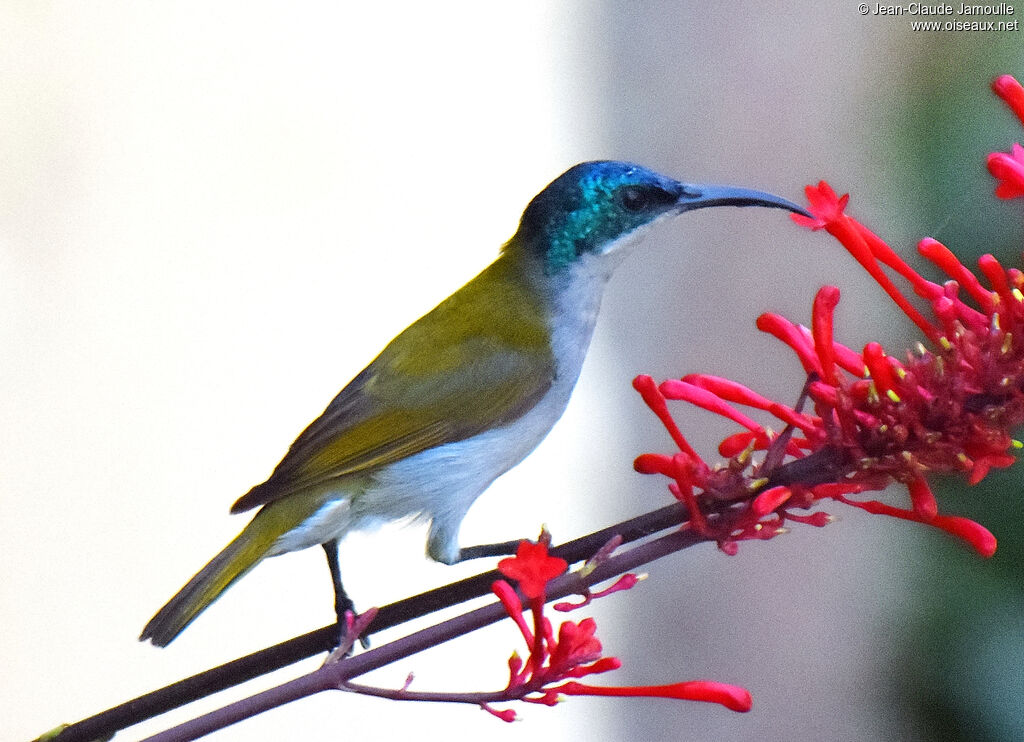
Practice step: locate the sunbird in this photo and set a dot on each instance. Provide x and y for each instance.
(461, 395)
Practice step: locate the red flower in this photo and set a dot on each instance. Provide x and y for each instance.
(575, 651)
(824, 204)
(531, 567)
(731, 696)
(576, 644)
(1008, 168)
(875, 419)
(1007, 88)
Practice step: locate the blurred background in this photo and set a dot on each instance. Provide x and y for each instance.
(213, 215)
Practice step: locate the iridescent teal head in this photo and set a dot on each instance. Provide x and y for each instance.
(593, 206)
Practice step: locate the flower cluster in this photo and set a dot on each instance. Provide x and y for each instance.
(874, 419)
(556, 661)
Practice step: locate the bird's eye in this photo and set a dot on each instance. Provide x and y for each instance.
(633, 198)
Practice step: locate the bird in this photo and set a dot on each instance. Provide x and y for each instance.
(460, 396)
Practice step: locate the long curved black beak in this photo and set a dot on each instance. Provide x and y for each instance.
(704, 196)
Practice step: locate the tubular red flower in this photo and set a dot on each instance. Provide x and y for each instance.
(504, 714)
(878, 366)
(653, 398)
(922, 499)
(732, 391)
(1008, 169)
(825, 302)
(944, 258)
(654, 463)
(576, 645)
(770, 500)
(732, 697)
(997, 276)
(510, 600)
(856, 239)
(605, 664)
(824, 204)
(1007, 88)
(695, 395)
(790, 334)
(979, 537)
(625, 582)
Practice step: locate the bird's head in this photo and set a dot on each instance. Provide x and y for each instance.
(595, 207)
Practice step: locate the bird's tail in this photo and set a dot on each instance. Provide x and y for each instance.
(237, 558)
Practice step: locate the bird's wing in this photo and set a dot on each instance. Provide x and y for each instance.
(427, 388)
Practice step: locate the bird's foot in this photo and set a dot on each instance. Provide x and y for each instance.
(351, 626)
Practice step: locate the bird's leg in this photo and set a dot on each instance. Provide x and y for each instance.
(505, 548)
(342, 602)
